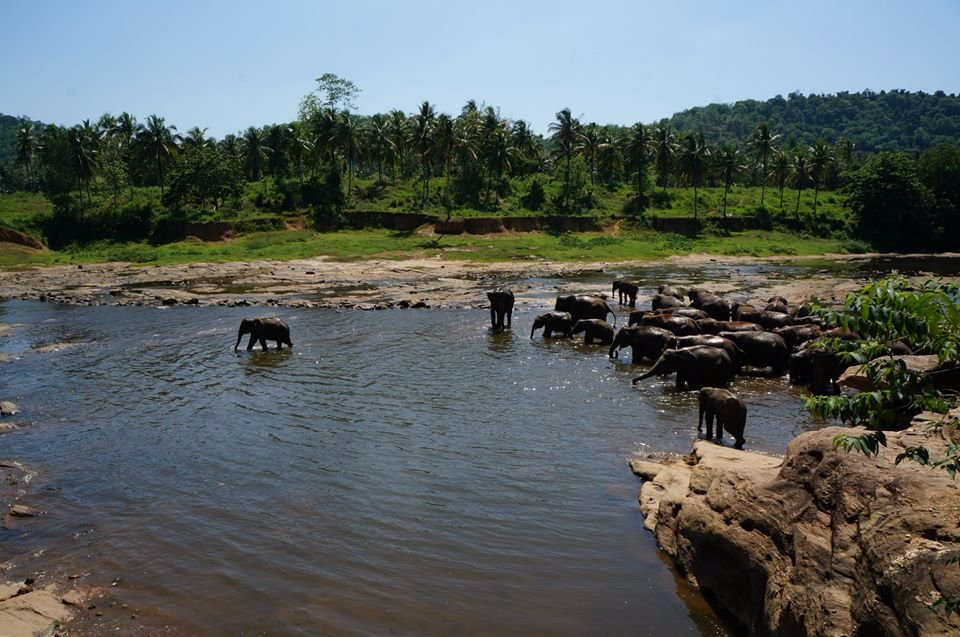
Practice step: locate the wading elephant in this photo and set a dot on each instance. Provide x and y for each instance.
(679, 325)
(731, 413)
(761, 349)
(796, 335)
(551, 322)
(594, 330)
(679, 342)
(772, 320)
(668, 290)
(744, 312)
(626, 290)
(817, 367)
(263, 330)
(777, 304)
(713, 326)
(584, 307)
(665, 301)
(645, 342)
(696, 367)
(689, 312)
(501, 306)
(710, 303)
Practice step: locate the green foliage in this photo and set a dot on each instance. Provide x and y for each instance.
(867, 444)
(888, 120)
(204, 175)
(535, 197)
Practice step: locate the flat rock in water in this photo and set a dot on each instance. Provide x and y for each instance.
(7, 408)
(855, 376)
(23, 511)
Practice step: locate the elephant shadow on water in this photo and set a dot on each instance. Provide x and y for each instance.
(257, 360)
(500, 342)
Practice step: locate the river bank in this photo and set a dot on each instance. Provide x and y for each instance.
(379, 284)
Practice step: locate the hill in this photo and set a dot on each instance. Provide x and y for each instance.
(888, 120)
(8, 132)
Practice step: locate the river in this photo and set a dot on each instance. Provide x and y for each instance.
(397, 472)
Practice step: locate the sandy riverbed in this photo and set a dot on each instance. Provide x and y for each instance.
(319, 282)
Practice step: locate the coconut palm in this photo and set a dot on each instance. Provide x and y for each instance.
(780, 172)
(609, 158)
(524, 141)
(423, 142)
(196, 139)
(821, 159)
(398, 127)
(762, 144)
(347, 135)
(637, 146)
(589, 146)
(729, 165)
(26, 145)
(158, 143)
(693, 159)
(299, 146)
(565, 133)
(443, 144)
(83, 148)
(255, 152)
(378, 141)
(665, 152)
(466, 148)
(799, 175)
(277, 138)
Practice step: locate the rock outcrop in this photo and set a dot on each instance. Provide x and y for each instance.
(9, 235)
(820, 542)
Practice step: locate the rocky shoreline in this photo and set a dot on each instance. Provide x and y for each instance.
(819, 542)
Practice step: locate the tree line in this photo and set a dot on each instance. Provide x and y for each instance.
(468, 160)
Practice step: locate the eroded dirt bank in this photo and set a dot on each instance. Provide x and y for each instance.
(820, 542)
(319, 282)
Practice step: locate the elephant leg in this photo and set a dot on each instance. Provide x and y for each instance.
(263, 342)
(710, 423)
(720, 420)
(547, 332)
(253, 339)
(510, 317)
(493, 318)
(633, 300)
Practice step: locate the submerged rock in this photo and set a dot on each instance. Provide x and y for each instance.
(822, 542)
(7, 408)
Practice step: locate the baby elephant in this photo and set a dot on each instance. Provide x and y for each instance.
(594, 329)
(263, 330)
(551, 322)
(731, 413)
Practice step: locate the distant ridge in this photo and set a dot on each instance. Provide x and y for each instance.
(8, 133)
(888, 120)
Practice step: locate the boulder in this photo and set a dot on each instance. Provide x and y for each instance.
(9, 235)
(944, 376)
(7, 408)
(821, 542)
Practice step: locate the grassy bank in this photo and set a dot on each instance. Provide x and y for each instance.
(385, 244)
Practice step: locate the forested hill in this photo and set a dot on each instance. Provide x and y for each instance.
(888, 120)
(8, 132)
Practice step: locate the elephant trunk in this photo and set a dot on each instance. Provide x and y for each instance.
(656, 370)
(611, 312)
(533, 329)
(239, 337)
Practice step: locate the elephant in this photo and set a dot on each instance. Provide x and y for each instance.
(817, 367)
(679, 342)
(713, 326)
(667, 290)
(696, 367)
(665, 301)
(627, 290)
(761, 349)
(770, 320)
(796, 335)
(679, 325)
(594, 329)
(689, 312)
(553, 322)
(501, 306)
(777, 304)
(710, 303)
(264, 329)
(645, 341)
(744, 312)
(731, 413)
(584, 307)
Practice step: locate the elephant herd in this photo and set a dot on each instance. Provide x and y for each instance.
(702, 338)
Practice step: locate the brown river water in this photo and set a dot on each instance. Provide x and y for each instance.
(400, 472)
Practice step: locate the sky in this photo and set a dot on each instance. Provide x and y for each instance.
(228, 65)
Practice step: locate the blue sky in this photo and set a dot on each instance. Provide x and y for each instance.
(228, 65)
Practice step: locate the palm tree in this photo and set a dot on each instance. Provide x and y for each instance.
(761, 143)
(278, 141)
(399, 131)
(780, 172)
(498, 154)
(799, 175)
(347, 133)
(609, 159)
(255, 152)
(379, 141)
(693, 157)
(466, 146)
(665, 152)
(589, 146)
(299, 146)
(443, 144)
(565, 132)
(637, 150)
(196, 139)
(821, 158)
(524, 141)
(26, 144)
(159, 143)
(84, 155)
(729, 165)
(423, 141)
